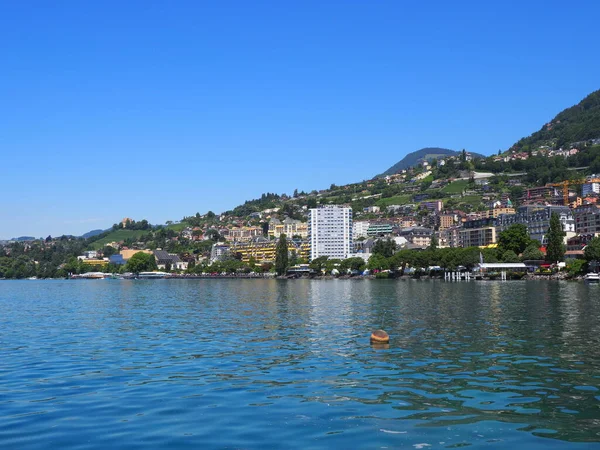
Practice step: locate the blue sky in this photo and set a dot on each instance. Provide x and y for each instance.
(158, 110)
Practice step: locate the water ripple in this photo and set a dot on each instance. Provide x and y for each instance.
(268, 363)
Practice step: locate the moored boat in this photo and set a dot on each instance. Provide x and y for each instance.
(592, 277)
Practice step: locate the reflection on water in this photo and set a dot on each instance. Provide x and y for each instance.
(254, 363)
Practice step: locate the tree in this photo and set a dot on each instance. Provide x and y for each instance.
(378, 262)
(353, 264)
(318, 264)
(384, 248)
(141, 262)
(293, 259)
(532, 253)
(213, 235)
(555, 251)
(592, 250)
(281, 255)
(576, 267)
(510, 257)
(434, 243)
(108, 251)
(295, 195)
(515, 238)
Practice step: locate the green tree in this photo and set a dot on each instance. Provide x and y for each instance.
(318, 264)
(576, 267)
(532, 253)
(384, 248)
(434, 243)
(515, 238)
(281, 255)
(378, 262)
(555, 251)
(141, 262)
(592, 250)
(355, 263)
(108, 251)
(510, 257)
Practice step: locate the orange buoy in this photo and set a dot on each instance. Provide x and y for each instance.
(380, 337)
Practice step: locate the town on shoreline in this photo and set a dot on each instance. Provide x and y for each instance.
(530, 211)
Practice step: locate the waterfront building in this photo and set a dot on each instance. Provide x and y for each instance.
(264, 250)
(359, 228)
(478, 237)
(330, 232)
(95, 262)
(116, 260)
(537, 220)
(289, 227)
(166, 260)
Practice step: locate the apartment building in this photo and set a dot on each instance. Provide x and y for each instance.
(330, 232)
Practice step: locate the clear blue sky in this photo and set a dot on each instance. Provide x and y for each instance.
(158, 110)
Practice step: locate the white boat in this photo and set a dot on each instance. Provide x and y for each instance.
(592, 277)
(152, 275)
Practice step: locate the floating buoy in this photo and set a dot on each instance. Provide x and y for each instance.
(380, 337)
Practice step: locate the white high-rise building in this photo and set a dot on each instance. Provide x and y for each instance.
(330, 232)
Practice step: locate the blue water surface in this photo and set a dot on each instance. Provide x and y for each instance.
(288, 364)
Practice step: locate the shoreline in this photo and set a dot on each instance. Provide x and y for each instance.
(526, 277)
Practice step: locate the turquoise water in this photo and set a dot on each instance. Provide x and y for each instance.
(288, 364)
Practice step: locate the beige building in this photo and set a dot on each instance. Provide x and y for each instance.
(126, 254)
(289, 227)
(494, 213)
(264, 251)
(446, 221)
(244, 233)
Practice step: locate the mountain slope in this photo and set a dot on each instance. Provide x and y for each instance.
(92, 233)
(577, 123)
(425, 154)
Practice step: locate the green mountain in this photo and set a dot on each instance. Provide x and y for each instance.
(575, 124)
(425, 154)
(92, 233)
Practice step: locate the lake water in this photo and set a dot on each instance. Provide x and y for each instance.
(288, 364)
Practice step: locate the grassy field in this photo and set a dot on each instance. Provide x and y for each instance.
(117, 236)
(455, 187)
(177, 227)
(395, 200)
(471, 199)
